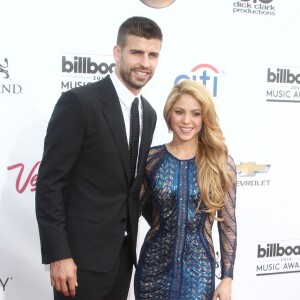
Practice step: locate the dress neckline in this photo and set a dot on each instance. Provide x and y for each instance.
(178, 159)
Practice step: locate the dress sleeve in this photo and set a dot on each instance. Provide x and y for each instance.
(145, 201)
(227, 228)
(146, 204)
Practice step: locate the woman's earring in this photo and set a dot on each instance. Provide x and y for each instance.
(170, 131)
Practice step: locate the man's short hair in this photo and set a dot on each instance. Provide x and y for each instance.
(138, 26)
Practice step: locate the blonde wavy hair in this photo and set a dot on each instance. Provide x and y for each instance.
(213, 176)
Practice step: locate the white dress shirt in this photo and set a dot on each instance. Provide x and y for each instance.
(126, 98)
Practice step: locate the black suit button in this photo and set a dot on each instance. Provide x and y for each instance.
(123, 220)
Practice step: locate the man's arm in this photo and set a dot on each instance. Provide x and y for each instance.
(62, 146)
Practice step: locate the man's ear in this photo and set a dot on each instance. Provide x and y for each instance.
(117, 53)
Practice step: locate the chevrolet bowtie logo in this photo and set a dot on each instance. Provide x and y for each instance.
(250, 169)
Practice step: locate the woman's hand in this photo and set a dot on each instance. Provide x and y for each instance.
(223, 290)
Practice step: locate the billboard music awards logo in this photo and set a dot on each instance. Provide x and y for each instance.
(283, 84)
(254, 7)
(7, 86)
(204, 73)
(278, 257)
(78, 69)
(218, 274)
(250, 169)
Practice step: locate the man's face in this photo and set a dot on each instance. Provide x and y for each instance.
(137, 61)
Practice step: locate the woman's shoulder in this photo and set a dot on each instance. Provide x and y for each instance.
(231, 162)
(157, 149)
(230, 159)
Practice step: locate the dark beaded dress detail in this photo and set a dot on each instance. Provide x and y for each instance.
(177, 258)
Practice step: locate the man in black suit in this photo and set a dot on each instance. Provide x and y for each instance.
(86, 205)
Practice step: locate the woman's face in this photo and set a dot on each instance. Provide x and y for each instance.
(186, 119)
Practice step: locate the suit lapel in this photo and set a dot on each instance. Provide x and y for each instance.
(114, 117)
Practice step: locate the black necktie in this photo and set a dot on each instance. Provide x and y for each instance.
(134, 137)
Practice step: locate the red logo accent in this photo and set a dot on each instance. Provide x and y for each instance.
(31, 178)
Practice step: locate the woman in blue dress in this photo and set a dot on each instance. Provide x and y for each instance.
(189, 183)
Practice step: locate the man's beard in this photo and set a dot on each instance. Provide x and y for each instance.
(127, 78)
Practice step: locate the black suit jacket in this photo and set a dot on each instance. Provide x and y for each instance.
(83, 195)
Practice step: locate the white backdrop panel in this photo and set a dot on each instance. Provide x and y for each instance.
(262, 136)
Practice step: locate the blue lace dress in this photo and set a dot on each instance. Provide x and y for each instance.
(177, 259)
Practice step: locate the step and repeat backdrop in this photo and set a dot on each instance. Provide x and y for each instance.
(247, 54)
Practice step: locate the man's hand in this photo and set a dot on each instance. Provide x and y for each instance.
(64, 277)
